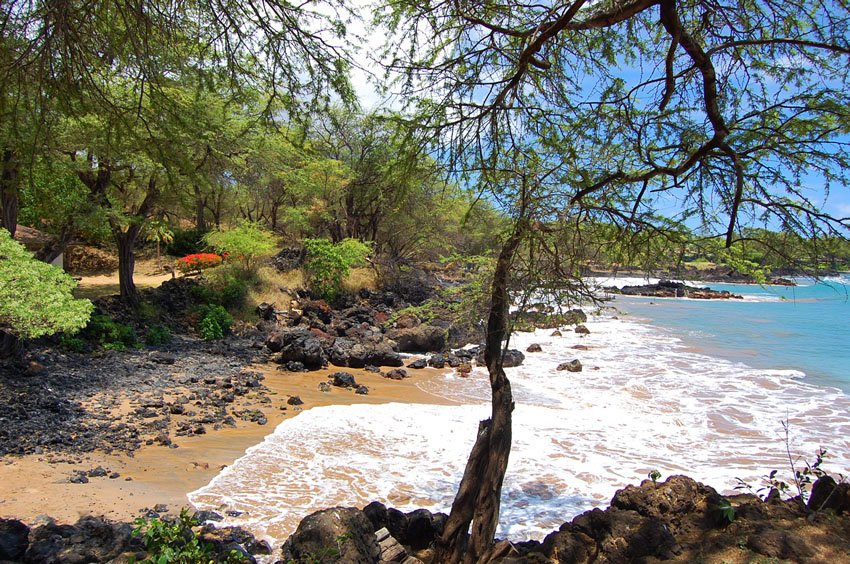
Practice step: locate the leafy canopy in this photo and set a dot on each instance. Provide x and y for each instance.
(247, 242)
(35, 297)
(328, 264)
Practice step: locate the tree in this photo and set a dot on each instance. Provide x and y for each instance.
(720, 115)
(35, 298)
(111, 59)
(246, 242)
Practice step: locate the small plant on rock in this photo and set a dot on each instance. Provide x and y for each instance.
(175, 541)
(215, 322)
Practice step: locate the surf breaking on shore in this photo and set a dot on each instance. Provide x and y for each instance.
(643, 401)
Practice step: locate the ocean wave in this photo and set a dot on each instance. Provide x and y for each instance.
(644, 401)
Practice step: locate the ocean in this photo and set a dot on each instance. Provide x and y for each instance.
(703, 388)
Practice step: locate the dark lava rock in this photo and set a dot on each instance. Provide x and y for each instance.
(98, 472)
(422, 338)
(343, 380)
(320, 533)
(582, 330)
(571, 366)
(14, 539)
(418, 364)
(294, 400)
(510, 358)
(826, 494)
(397, 374)
(361, 390)
(533, 348)
(421, 529)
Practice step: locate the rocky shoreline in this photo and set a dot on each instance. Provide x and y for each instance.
(63, 405)
(678, 520)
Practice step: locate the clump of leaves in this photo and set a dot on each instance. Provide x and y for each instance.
(175, 541)
(35, 297)
(654, 475)
(157, 335)
(215, 322)
(327, 264)
(109, 333)
(246, 243)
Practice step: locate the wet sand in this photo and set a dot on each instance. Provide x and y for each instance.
(31, 486)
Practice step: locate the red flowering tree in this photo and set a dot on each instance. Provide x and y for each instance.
(197, 262)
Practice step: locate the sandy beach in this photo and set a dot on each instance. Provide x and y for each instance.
(34, 485)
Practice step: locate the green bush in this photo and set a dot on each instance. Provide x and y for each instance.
(215, 322)
(234, 292)
(176, 541)
(157, 335)
(110, 334)
(327, 264)
(203, 294)
(35, 297)
(72, 343)
(245, 243)
(229, 291)
(186, 242)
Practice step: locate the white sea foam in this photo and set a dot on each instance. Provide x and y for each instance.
(643, 401)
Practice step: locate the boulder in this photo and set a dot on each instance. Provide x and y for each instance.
(582, 330)
(571, 366)
(826, 494)
(343, 380)
(14, 539)
(510, 358)
(421, 529)
(397, 374)
(422, 338)
(533, 348)
(418, 364)
(344, 531)
(380, 354)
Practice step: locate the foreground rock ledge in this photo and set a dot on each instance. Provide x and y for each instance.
(679, 520)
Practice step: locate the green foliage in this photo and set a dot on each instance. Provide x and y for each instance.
(726, 510)
(246, 242)
(215, 322)
(157, 335)
(110, 334)
(36, 298)
(186, 242)
(328, 264)
(227, 288)
(737, 257)
(72, 343)
(654, 475)
(176, 542)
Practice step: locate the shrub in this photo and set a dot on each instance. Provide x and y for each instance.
(186, 242)
(73, 344)
(247, 242)
(215, 322)
(176, 541)
(157, 335)
(35, 297)
(110, 334)
(234, 293)
(203, 294)
(198, 262)
(327, 264)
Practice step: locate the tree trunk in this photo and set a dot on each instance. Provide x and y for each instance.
(478, 498)
(9, 180)
(200, 209)
(10, 346)
(127, 262)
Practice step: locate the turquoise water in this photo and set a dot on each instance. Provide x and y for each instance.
(805, 328)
